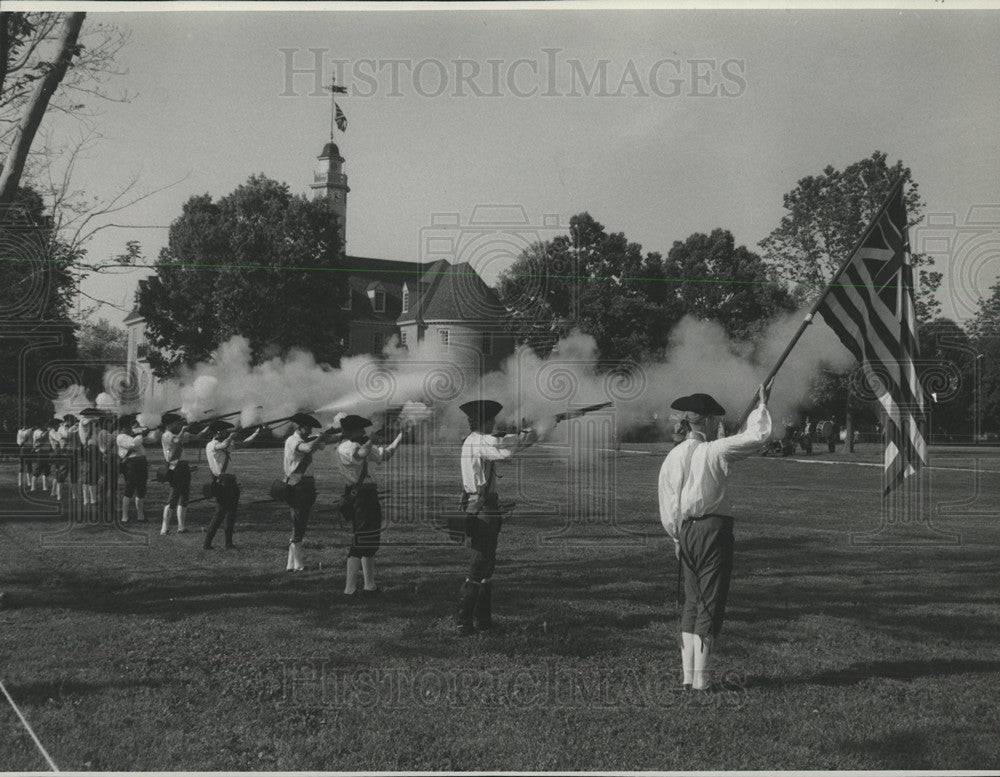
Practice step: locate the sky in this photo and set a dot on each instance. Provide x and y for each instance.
(719, 115)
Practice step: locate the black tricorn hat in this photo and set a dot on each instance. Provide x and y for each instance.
(219, 426)
(69, 418)
(702, 404)
(54, 422)
(90, 412)
(353, 423)
(481, 409)
(304, 419)
(171, 418)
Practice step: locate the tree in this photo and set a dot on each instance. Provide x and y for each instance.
(826, 215)
(259, 262)
(947, 373)
(101, 341)
(629, 302)
(36, 295)
(599, 283)
(984, 335)
(38, 101)
(725, 283)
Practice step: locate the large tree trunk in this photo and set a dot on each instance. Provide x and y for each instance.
(13, 165)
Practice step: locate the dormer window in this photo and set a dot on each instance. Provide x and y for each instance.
(406, 298)
(376, 294)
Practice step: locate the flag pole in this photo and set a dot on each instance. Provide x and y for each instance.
(819, 300)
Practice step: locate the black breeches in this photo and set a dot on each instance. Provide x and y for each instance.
(179, 479)
(136, 473)
(301, 498)
(227, 500)
(366, 523)
(707, 560)
(484, 532)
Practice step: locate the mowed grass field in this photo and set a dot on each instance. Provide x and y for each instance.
(845, 647)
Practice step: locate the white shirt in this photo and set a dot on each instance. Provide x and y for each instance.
(39, 437)
(218, 453)
(293, 457)
(350, 467)
(130, 447)
(479, 452)
(23, 436)
(173, 446)
(693, 475)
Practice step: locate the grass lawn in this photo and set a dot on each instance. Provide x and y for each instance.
(132, 651)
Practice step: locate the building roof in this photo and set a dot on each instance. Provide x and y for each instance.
(453, 293)
(133, 317)
(330, 149)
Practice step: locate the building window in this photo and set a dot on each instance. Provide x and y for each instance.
(443, 333)
(406, 300)
(347, 302)
(487, 344)
(379, 341)
(379, 302)
(402, 339)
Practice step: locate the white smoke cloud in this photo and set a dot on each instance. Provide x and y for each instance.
(700, 358)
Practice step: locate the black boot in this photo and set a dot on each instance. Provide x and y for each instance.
(483, 613)
(230, 525)
(466, 604)
(213, 527)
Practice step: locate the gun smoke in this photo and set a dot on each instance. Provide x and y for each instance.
(429, 380)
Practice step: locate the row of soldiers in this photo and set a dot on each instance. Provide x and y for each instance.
(694, 508)
(479, 517)
(95, 450)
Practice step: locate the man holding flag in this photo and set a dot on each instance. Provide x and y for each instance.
(695, 513)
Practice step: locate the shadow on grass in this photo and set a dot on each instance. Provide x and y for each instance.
(905, 670)
(41, 692)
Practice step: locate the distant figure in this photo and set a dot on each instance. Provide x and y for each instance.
(24, 435)
(832, 433)
(805, 439)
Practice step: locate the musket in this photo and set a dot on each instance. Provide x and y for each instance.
(276, 421)
(209, 420)
(565, 416)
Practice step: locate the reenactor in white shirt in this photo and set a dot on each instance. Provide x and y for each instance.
(481, 452)
(90, 455)
(130, 445)
(178, 471)
(24, 455)
(360, 503)
(300, 488)
(59, 469)
(225, 487)
(41, 451)
(695, 513)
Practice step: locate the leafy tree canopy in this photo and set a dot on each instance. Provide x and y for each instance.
(259, 262)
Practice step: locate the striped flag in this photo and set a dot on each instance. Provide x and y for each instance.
(341, 119)
(870, 307)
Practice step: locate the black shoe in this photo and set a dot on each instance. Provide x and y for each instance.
(206, 546)
(371, 591)
(687, 686)
(483, 625)
(230, 546)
